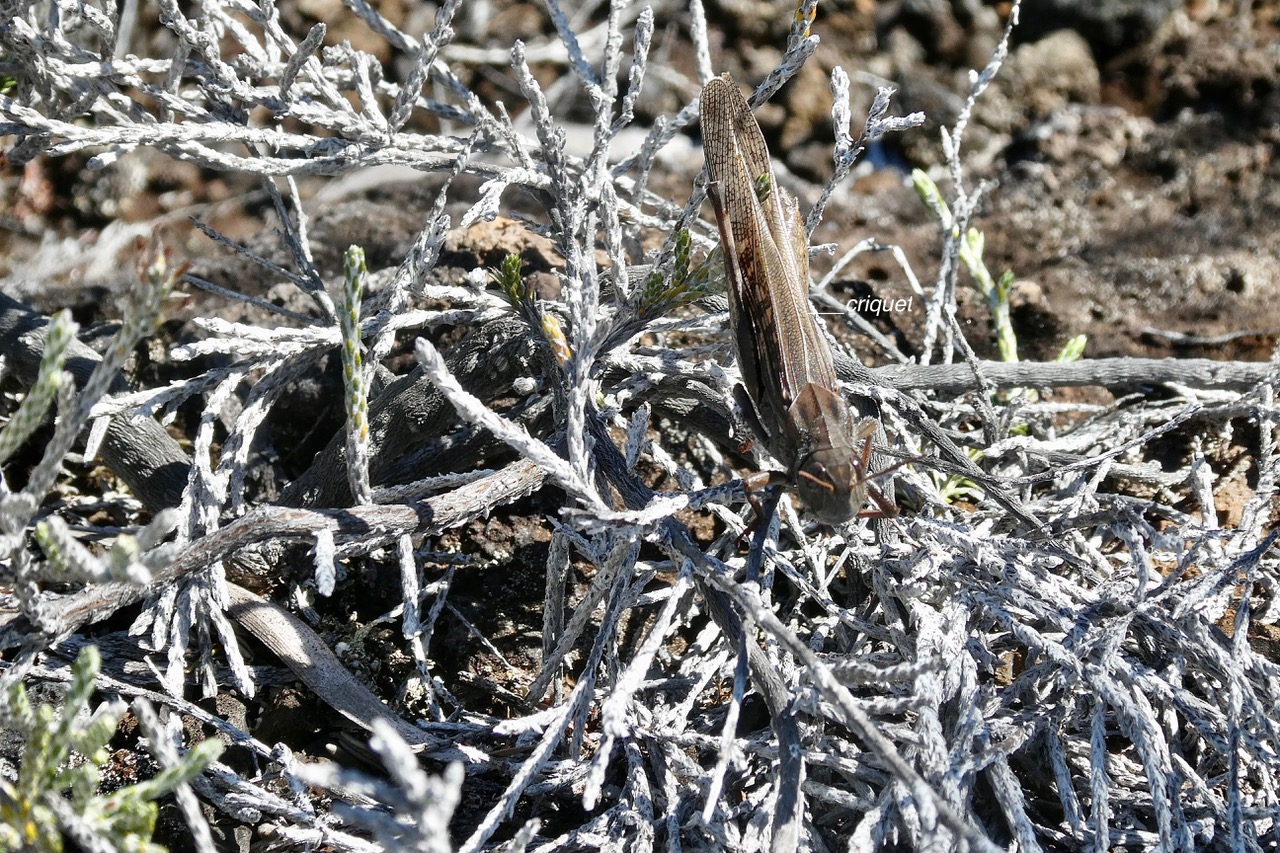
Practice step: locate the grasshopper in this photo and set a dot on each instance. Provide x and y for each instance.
(792, 397)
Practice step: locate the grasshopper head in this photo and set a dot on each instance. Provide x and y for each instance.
(830, 475)
(831, 484)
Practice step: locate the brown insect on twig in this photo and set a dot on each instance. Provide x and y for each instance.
(792, 396)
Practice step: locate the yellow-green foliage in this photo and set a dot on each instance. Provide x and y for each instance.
(507, 278)
(1073, 350)
(55, 796)
(956, 487)
(357, 397)
(29, 416)
(687, 282)
(996, 291)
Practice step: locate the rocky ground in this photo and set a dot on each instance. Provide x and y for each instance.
(1130, 151)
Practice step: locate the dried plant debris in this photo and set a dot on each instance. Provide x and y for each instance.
(443, 537)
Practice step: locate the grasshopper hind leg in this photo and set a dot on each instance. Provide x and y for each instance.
(749, 413)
